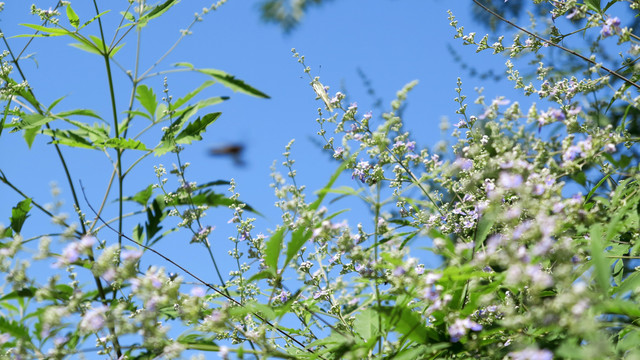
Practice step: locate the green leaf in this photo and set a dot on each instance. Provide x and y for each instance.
(593, 5)
(46, 30)
(484, 227)
(91, 49)
(74, 138)
(232, 83)
(602, 271)
(32, 121)
(299, 237)
(167, 143)
(98, 43)
(155, 215)
(366, 324)
(94, 18)
(408, 323)
(121, 143)
(156, 11)
(19, 214)
(272, 251)
(29, 136)
(15, 329)
(593, 191)
(630, 283)
(194, 129)
(264, 274)
(56, 102)
(183, 100)
(142, 197)
(323, 192)
(199, 342)
(621, 307)
(147, 99)
(114, 51)
(74, 20)
(137, 234)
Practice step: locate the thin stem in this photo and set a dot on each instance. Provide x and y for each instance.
(612, 72)
(216, 290)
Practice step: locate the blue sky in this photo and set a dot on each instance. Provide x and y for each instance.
(392, 42)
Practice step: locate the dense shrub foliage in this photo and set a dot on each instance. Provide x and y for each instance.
(534, 213)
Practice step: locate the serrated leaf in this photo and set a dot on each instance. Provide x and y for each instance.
(155, 215)
(147, 99)
(72, 138)
(156, 11)
(19, 215)
(32, 121)
(94, 19)
(168, 141)
(194, 129)
(15, 329)
(232, 83)
(121, 143)
(74, 20)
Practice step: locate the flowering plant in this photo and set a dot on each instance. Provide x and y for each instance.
(531, 219)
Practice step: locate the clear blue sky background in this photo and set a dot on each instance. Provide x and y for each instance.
(392, 42)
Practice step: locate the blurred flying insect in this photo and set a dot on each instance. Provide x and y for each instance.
(232, 150)
(322, 93)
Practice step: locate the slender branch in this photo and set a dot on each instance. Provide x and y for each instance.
(610, 71)
(195, 277)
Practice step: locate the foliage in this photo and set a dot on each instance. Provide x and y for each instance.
(531, 267)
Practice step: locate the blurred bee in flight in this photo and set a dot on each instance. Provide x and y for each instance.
(234, 151)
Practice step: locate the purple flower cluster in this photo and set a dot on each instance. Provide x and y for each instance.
(611, 26)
